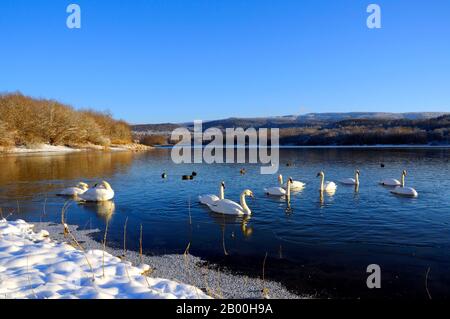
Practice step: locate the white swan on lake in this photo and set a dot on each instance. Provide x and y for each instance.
(211, 199)
(393, 181)
(403, 190)
(276, 190)
(228, 207)
(351, 181)
(81, 188)
(100, 193)
(326, 186)
(295, 185)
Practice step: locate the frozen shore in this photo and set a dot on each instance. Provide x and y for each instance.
(59, 149)
(34, 266)
(188, 269)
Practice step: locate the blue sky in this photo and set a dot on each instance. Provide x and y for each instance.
(150, 61)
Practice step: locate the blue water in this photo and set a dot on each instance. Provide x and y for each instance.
(320, 247)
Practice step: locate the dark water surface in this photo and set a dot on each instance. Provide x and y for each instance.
(321, 246)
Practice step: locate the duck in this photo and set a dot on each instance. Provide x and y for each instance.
(80, 189)
(211, 199)
(392, 181)
(326, 186)
(295, 185)
(228, 207)
(402, 190)
(276, 190)
(351, 181)
(99, 193)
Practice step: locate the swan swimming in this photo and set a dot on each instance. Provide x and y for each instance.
(393, 181)
(211, 199)
(276, 190)
(228, 207)
(351, 181)
(326, 186)
(295, 185)
(81, 188)
(404, 191)
(100, 193)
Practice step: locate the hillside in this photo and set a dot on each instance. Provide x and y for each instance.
(332, 128)
(26, 121)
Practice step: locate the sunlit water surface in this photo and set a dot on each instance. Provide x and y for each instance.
(323, 245)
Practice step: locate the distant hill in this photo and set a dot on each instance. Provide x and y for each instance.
(289, 121)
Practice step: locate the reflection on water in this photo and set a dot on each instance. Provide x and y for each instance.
(103, 210)
(30, 174)
(327, 238)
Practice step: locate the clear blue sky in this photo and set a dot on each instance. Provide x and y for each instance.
(152, 61)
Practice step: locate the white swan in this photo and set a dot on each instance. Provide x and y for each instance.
(81, 188)
(351, 181)
(403, 190)
(211, 199)
(326, 186)
(393, 181)
(100, 193)
(295, 185)
(228, 207)
(276, 190)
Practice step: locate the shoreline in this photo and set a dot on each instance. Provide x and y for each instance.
(47, 149)
(188, 269)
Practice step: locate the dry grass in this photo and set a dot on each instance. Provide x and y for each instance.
(265, 290)
(104, 247)
(140, 246)
(67, 232)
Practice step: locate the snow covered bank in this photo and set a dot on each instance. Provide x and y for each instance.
(34, 266)
(53, 149)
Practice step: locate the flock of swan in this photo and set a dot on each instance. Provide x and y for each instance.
(219, 204)
(102, 192)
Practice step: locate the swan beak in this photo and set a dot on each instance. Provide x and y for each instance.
(318, 174)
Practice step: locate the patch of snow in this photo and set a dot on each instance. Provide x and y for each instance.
(42, 148)
(34, 266)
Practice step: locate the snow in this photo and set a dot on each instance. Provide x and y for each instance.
(42, 148)
(34, 266)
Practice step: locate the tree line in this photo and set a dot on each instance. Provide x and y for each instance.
(29, 121)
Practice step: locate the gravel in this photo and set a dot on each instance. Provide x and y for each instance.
(186, 269)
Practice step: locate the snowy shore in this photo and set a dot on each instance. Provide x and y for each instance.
(32, 265)
(36, 263)
(53, 149)
(216, 281)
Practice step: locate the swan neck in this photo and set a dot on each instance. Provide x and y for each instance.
(288, 192)
(357, 178)
(244, 204)
(280, 179)
(403, 180)
(221, 192)
(322, 182)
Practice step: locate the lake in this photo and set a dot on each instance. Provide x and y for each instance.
(321, 246)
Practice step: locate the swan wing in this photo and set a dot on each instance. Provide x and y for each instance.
(97, 195)
(348, 181)
(275, 191)
(390, 182)
(227, 207)
(405, 191)
(208, 199)
(72, 191)
(295, 185)
(330, 186)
